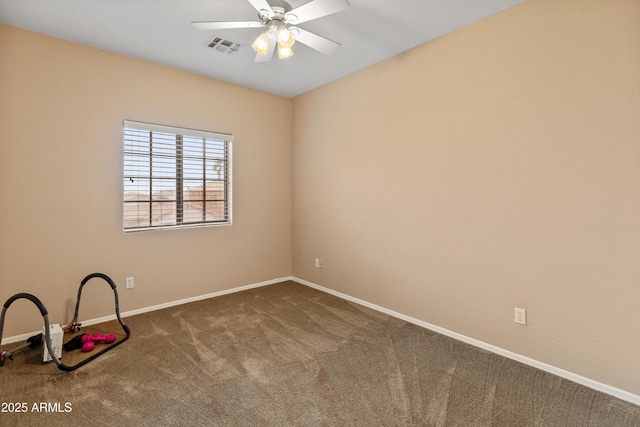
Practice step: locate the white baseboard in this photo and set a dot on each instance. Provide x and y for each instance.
(197, 298)
(587, 382)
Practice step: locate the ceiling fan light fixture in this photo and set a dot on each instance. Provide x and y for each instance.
(284, 52)
(285, 37)
(261, 44)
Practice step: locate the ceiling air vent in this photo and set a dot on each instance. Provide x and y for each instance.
(224, 46)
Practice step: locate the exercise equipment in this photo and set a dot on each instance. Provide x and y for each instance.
(74, 343)
(72, 327)
(32, 342)
(89, 341)
(98, 338)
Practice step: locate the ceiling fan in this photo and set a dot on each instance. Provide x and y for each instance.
(281, 29)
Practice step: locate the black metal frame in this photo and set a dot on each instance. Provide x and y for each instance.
(71, 326)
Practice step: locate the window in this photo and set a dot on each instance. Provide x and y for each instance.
(175, 178)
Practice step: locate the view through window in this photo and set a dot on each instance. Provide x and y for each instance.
(175, 177)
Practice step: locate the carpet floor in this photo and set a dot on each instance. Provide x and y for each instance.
(289, 355)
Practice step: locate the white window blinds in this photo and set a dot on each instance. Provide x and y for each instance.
(175, 177)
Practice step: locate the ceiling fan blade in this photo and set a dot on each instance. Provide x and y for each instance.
(213, 25)
(315, 41)
(315, 9)
(272, 47)
(262, 5)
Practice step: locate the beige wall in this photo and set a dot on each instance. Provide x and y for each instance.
(496, 167)
(61, 112)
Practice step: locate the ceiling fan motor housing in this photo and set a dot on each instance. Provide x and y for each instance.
(275, 14)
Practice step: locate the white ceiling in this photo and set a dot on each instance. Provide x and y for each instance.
(160, 31)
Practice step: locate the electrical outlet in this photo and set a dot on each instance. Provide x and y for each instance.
(129, 283)
(521, 316)
(319, 263)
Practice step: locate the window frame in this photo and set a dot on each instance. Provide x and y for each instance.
(222, 141)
